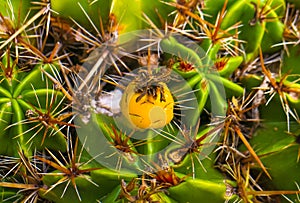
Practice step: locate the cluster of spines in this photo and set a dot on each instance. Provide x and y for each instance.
(238, 56)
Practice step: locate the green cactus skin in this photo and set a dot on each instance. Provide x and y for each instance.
(290, 62)
(228, 65)
(273, 34)
(36, 121)
(21, 93)
(17, 10)
(279, 148)
(72, 10)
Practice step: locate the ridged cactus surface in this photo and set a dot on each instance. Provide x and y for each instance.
(149, 101)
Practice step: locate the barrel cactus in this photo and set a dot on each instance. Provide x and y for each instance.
(149, 101)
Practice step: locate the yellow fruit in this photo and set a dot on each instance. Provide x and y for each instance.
(150, 107)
